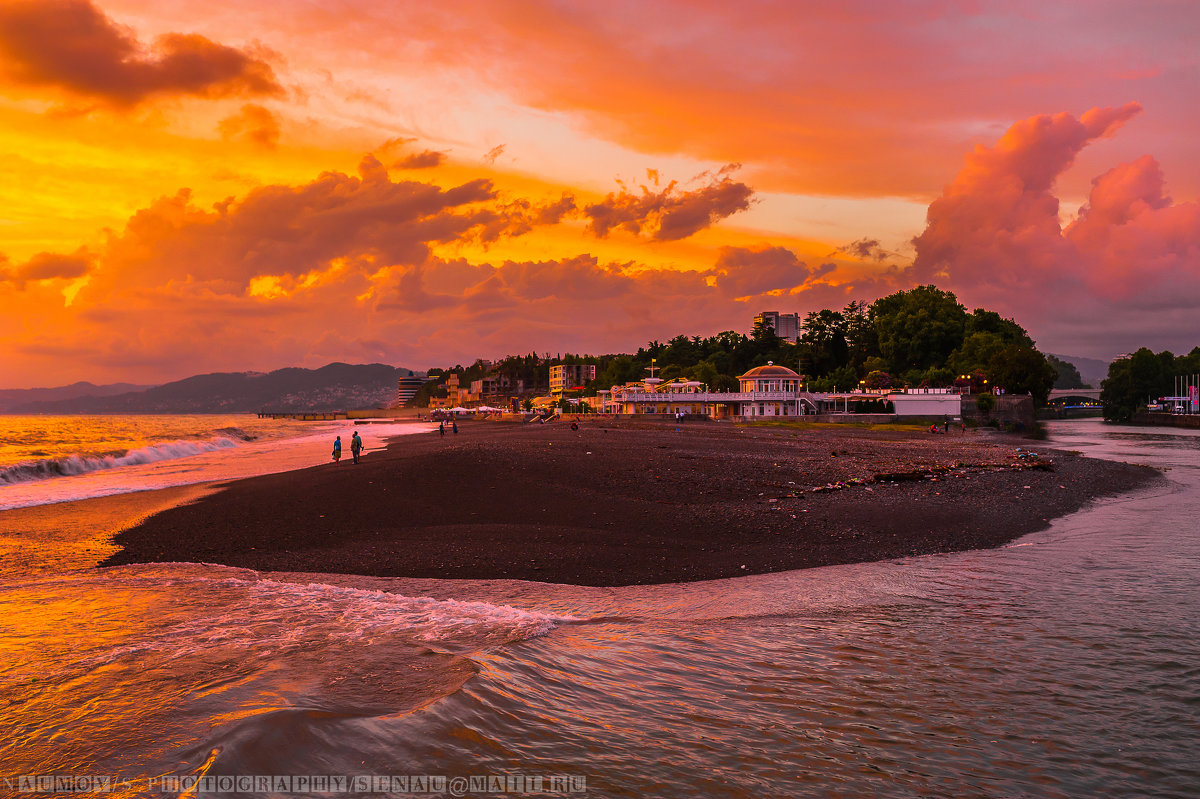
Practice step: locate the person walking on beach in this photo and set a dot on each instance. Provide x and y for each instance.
(356, 446)
(337, 449)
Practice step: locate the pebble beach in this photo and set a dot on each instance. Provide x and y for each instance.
(629, 502)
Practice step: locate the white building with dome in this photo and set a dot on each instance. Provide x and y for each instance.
(765, 391)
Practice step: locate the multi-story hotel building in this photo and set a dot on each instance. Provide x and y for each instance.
(566, 376)
(407, 388)
(787, 325)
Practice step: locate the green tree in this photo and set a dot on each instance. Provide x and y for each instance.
(938, 377)
(824, 340)
(704, 372)
(975, 352)
(1134, 380)
(862, 342)
(844, 378)
(1019, 369)
(919, 328)
(981, 321)
(877, 380)
(724, 383)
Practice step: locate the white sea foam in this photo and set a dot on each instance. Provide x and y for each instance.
(81, 464)
(182, 462)
(201, 614)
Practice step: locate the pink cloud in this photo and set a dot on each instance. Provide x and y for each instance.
(1132, 253)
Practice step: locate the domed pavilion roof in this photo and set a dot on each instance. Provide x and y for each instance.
(770, 370)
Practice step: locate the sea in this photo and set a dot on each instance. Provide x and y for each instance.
(1065, 664)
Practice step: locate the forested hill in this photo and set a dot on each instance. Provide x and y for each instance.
(338, 386)
(15, 397)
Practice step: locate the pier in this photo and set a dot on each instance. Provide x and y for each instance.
(304, 416)
(390, 414)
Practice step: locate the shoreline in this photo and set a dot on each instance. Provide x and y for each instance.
(628, 502)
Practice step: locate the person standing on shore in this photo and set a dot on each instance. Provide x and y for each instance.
(356, 446)
(337, 449)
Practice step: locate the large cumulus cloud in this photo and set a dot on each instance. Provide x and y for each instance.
(1129, 261)
(353, 267)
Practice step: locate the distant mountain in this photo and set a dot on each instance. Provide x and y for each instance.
(336, 387)
(11, 398)
(1091, 370)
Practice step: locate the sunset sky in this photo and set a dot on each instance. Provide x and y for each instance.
(226, 186)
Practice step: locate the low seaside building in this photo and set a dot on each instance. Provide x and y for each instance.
(932, 402)
(766, 391)
(769, 392)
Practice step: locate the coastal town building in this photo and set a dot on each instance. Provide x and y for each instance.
(407, 388)
(450, 395)
(786, 325)
(566, 376)
(766, 392)
(494, 389)
(927, 402)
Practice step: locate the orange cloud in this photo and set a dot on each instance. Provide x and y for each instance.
(253, 123)
(741, 272)
(245, 284)
(426, 159)
(672, 213)
(72, 46)
(46, 266)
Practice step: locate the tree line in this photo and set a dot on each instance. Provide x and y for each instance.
(919, 337)
(1143, 377)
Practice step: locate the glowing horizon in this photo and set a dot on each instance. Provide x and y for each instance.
(256, 185)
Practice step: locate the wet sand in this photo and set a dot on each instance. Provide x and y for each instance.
(628, 502)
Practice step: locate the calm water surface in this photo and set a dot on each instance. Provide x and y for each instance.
(1064, 665)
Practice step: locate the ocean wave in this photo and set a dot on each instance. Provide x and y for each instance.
(81, 464)
(270, 617)
(231, 432)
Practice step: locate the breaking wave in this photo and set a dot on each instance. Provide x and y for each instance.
(233, 432)
(81, 464)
